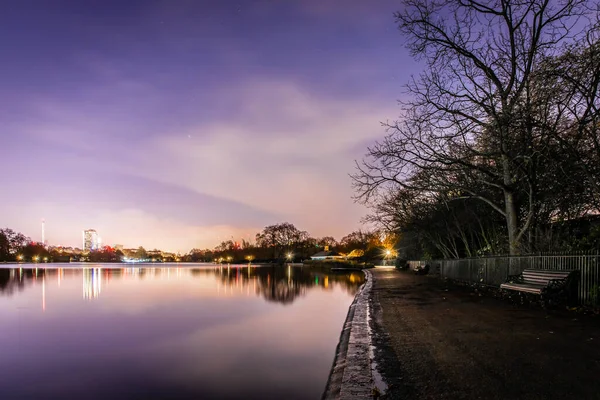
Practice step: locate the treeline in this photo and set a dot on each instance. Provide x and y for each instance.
(277, 243)
(497, 149)
(284, 242)
(15, 246)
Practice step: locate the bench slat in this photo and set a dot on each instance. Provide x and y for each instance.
(540, 281)
(549, 276)
(522, 287)
(543, 274)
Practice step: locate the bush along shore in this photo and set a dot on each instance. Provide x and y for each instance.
(338, 264)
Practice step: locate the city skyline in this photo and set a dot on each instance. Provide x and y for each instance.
(181, 124)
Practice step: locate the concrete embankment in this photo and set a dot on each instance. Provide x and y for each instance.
(352, 376)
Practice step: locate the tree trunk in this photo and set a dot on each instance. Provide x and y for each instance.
(510, 207)
(511, 223)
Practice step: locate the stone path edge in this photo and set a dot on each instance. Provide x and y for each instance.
(351, 376)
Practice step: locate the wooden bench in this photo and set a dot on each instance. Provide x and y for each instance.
(551, 286)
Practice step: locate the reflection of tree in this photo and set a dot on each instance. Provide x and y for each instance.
(16, 279)
(280, 284)
(284, 284)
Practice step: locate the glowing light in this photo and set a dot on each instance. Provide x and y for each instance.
(289, 256)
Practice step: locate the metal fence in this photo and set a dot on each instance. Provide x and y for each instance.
(493, 271)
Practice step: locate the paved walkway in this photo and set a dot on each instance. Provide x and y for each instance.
(439, 344)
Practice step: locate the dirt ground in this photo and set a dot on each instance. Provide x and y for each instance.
(435, 340)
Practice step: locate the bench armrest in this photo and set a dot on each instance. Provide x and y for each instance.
(514, 279)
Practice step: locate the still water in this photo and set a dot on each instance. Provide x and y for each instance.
(178, 332)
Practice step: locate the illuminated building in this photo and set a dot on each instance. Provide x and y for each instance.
(90, 240)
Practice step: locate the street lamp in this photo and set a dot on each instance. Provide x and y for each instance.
(289, 256)
(20, 257)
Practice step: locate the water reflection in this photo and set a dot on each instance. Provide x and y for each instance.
(184, 332)
(92, 282)
(281, 284)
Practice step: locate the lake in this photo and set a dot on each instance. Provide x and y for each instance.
(116, 331)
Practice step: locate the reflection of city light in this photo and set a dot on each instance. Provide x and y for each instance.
(92, 282)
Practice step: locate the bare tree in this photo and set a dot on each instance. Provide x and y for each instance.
(469, 129)
(281, 238)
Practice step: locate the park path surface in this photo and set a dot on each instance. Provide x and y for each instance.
(439, 343)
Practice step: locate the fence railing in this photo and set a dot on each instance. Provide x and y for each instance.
(494, 271)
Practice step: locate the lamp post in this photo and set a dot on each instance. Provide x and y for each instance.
(289, 257)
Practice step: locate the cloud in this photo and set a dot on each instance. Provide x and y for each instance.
(284, 149)
(281, 152)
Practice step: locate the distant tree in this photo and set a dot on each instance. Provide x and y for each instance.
(360, 240)
(4, 247)
(35, 252)
(105, 254)
(16, 241)
(141, 253)
(225, 245)
(280, 238)
(327, 241)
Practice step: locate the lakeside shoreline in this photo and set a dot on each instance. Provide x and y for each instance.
(351, 375)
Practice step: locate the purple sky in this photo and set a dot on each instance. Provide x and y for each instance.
(180, 123)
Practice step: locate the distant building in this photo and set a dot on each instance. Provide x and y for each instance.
(119, 247)
(91, 241)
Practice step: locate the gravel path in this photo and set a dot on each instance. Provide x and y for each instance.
(435, 342)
